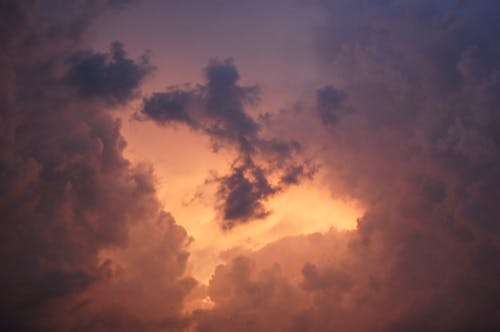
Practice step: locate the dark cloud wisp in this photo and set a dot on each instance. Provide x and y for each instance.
(218, 109)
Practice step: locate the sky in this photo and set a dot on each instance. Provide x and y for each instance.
(216, 165)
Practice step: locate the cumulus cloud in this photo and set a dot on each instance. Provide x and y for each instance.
(410, 125)
(73, 208)
(218, 109)
(266, 300)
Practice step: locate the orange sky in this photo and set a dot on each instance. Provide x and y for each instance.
(183, 161)
(290, 165)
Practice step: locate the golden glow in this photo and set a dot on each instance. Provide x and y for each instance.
(183, 161)
(301, 210)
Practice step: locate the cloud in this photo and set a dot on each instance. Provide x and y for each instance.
(330, 104)
(242, 192)
(113, 77)
(75, 212)
(266, 300)
(408, 125)
(418, 147)
(218, 109)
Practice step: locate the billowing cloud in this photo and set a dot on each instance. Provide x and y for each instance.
(75, 213)
(410, 128)
(218, 109)
(406, 121)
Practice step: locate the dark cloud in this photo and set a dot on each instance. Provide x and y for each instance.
(218, 109)
(242, 193)
(86, 246)
(225, 102)
(294, 174)
(71, 204)
(113, 77)
(330, 104)
(420, 150)
(169, 107)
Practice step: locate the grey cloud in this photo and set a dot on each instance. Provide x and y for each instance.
(225, 101)
(420, 151)
(242, 193)
(218, 109)
(67, 194)
(109, 76)
(169, 107)
(330, 104)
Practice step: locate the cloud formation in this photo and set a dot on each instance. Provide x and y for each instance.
(408, 124)
(107, 76)
(330, 104)
(218, 109)
(75, 213)
(411, 127)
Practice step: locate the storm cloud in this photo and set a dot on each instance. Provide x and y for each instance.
(411, 128)
(404, 119)
(71, 204)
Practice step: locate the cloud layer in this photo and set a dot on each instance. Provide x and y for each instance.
(408, 124)
(75, 213)
(411, 127)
